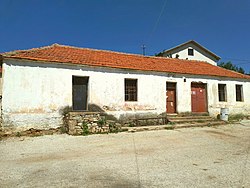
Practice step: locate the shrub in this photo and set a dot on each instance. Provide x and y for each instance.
(85, 129)
(236, 117)
(101, 122)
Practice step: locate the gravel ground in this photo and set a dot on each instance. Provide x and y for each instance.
(194, 157)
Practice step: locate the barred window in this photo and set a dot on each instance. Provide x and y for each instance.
(130, 89)
(239, 92)
(222, 92)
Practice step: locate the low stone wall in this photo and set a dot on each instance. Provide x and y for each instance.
(83, 123)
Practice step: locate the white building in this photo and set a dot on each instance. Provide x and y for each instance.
(39, 84)
(191, 50)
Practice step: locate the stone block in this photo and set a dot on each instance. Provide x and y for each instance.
(72, 131)
(72, 123)
(78, 132)
(94, 124)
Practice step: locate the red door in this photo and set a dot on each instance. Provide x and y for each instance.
(171, 97)
(198, 97)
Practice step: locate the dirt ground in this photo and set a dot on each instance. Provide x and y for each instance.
(193, 157)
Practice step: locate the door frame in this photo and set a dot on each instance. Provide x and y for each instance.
(87, 97)
(171, 82)
(206, 96)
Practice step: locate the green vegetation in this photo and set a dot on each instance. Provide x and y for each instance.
(63, 129)
(171, 127)
(230, 66)
(171, 123)
(18, 134)
(101, 122)
(131, 124)
(85, 129)
(113, 128)
(236, 117)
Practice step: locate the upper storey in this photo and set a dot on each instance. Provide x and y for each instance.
(191, 50)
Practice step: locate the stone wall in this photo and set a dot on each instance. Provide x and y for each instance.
(83, 123)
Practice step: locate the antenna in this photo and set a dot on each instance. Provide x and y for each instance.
(143, 49)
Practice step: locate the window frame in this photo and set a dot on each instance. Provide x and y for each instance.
(192, 52)
(222, 93)
(240, 97)
(130, 93)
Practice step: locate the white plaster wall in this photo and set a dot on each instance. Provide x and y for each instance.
(34, 94)
(214, 105)
(38, 92)
(197, 56)
(231, 103)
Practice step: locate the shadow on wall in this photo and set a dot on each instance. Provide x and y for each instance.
(124, 118)
(63, 111)
(95, 108)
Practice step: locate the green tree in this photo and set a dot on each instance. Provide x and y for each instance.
(229, 65)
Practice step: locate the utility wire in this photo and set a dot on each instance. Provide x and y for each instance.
(157, 21)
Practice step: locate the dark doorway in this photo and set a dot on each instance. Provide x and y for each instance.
(171, 97)
(199, 97)
(80, 93)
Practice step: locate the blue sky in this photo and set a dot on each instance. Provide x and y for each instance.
(222, 26)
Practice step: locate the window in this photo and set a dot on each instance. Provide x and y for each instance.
(191, 51)
(239, 92)
(222, 92)
(130, 89)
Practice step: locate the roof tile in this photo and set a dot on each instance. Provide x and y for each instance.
(91, 57)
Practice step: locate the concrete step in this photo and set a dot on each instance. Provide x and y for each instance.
(179, 117)
(197, 118)
(189, 117)
(191, 120)
(203, 124)
(175, 126)
(186, 115)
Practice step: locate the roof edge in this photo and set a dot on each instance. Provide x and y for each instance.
(246, 77)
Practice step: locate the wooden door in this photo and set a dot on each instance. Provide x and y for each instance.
(199, 97)
(80, 93)
(171, 97)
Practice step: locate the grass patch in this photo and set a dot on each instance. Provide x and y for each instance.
(63, 129)
(171, 123)
(236, 117)
(169, 127)
(18, 134)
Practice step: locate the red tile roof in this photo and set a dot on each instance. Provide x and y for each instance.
(102, 58)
